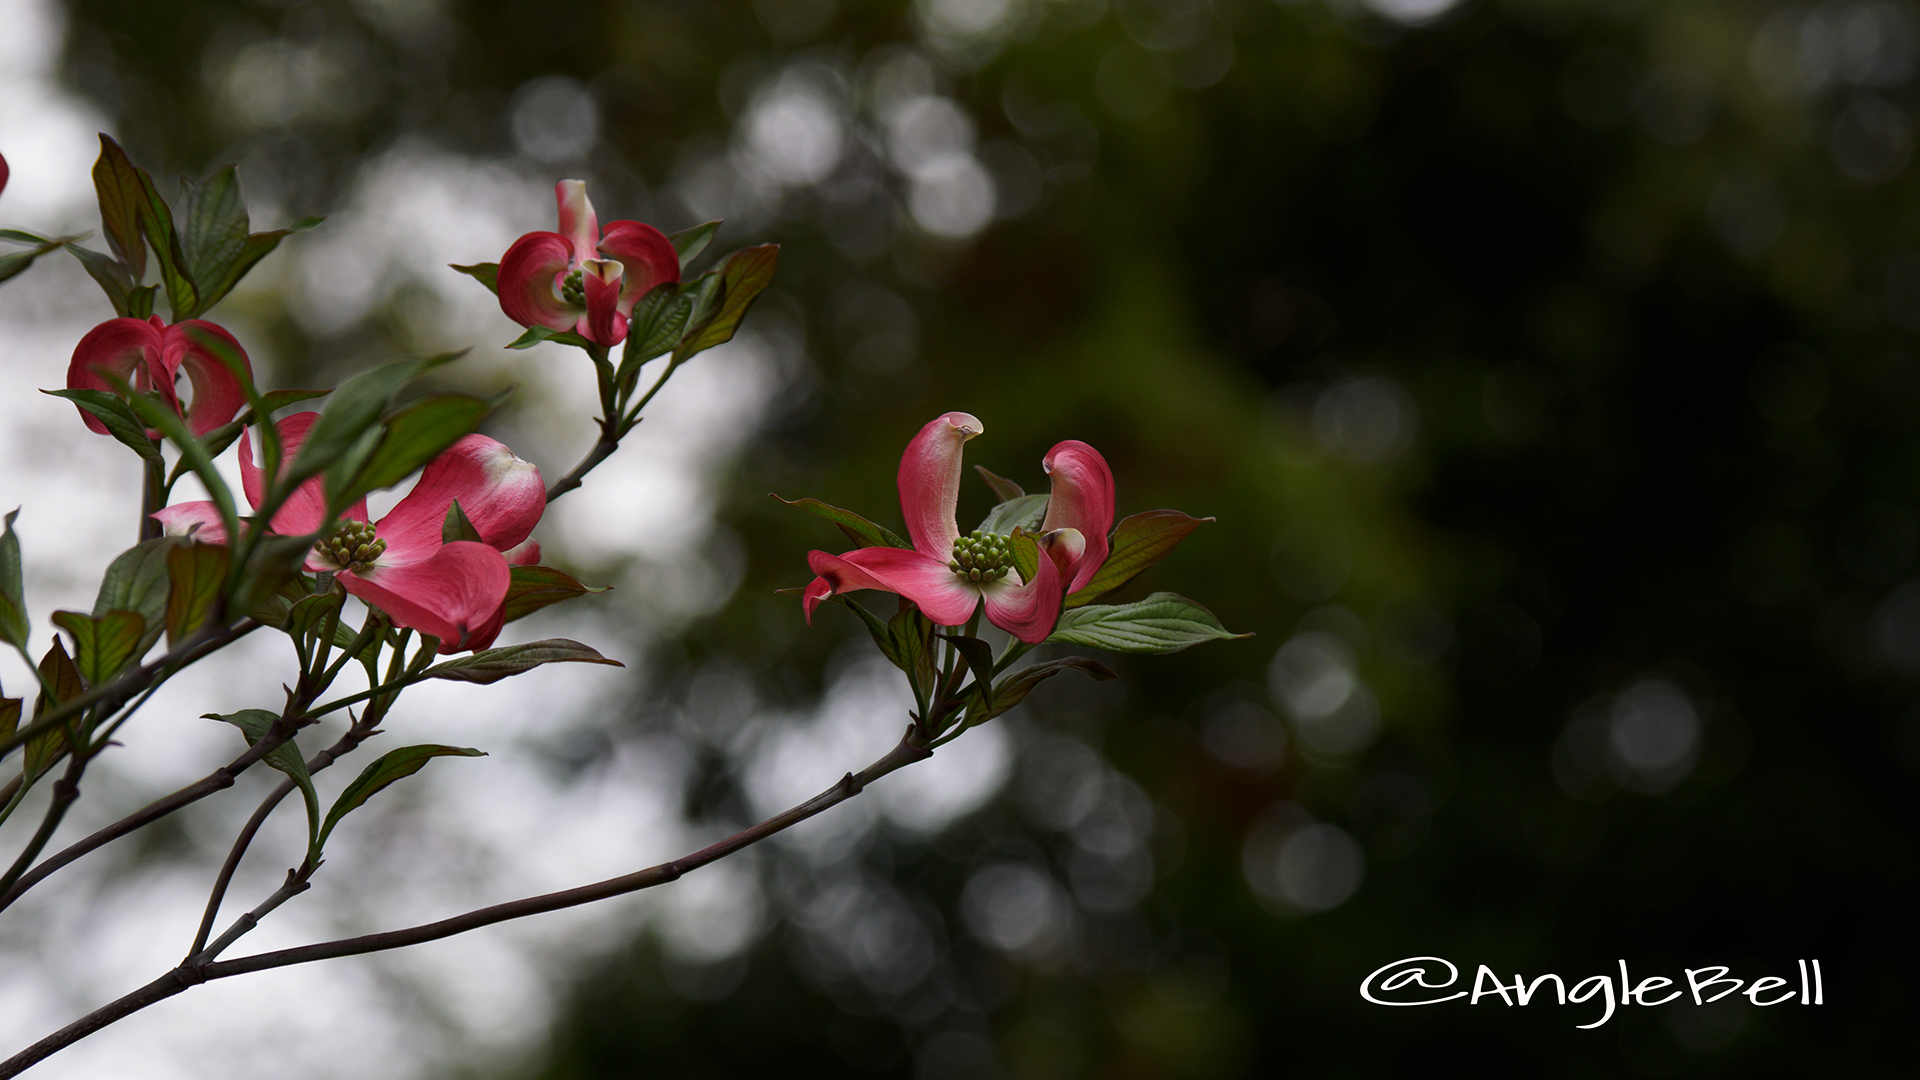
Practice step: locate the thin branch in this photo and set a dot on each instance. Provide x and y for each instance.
(218, 780)
(602, 450)
(66, 791)
(361, 730)
(196, 970)
(200, 644)
(234, 854)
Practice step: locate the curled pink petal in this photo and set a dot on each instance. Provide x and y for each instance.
(130, 351)
(453, 594)
(524, 553)
(1065, 547)
(306, 509)
(529, 281)
(502, 495)
(218, 395)
(930, 483)
(604, 323)
(1027, 611)
(3, 174)
(645, 253)
(200, 520)
(942, 595)
(1082, 499)
(578, 225)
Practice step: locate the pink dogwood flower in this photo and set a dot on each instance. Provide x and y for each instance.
(151, 355)
(450, 591)
(560, 281)
(949, 575)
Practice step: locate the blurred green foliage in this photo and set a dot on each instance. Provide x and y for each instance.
(1550, 368)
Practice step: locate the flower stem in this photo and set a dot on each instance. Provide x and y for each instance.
(153, 498)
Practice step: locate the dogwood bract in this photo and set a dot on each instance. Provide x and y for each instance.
(452, 591)
(949, 575)
(559, 281)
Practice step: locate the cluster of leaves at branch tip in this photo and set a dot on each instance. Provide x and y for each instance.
(202, 245)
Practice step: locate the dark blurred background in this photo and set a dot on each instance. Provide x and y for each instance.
(1550, 366)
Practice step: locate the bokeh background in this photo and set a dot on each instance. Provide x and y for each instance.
(1550, 366)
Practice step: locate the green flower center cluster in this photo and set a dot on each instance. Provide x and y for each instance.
(982, 556)
(573, 290)
(351, 546)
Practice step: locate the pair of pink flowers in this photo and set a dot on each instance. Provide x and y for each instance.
(562, 282)
(948, 575)
(451, 591)
(150, 356)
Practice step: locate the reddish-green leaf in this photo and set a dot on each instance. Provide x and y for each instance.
(492, 665)
(117, 183)
(535, 587)
(1003, 489)
(197, 572)
(487, 274)
(747, 273)
(387, 768)
(1015, 687)
(858, 529)
(1139, 542)
(102, 644)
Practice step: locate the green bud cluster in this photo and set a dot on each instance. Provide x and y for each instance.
(981, 556)
(573, 290)
(351, 545)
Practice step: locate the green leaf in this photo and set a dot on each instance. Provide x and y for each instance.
(109, 273)
(387, 768)
(118, 416)
(535, 587)
(1025, 550)
(658, 320)
(882, 635)
(58, 675)
(14, 624)
(492, 665)
(1003, 489)
(213, 228)
(102, 644)
(137, 581)
(118, 184)
(309, 614)
(140, 301)
(537, 334)
(17, 263)
(192, 451)
(858, 529)
(9, 716)
(487, 274)
(415, 435)
(1025, 512)
(747, 273)
(156, 223)
(1140, 541)
(689, 243)
(272, 401)
(256, 247)
(456, 527)
(912, 635)
(256, 724)
(1015, 687)
(1162, 623)
(198, 572)
(356, 406)
(979, 658)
